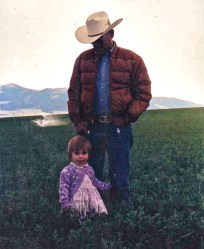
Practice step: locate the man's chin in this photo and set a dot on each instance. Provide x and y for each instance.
(101, 51)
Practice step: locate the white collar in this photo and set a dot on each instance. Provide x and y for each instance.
(79, 167)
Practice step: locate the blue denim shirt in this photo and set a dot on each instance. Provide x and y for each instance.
(102, 100)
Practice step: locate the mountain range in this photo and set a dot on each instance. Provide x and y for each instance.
(19, 101)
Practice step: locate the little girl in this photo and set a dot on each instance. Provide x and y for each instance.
(78, 184)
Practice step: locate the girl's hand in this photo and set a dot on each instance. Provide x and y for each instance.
(65, 210)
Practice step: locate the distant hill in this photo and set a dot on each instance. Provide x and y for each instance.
(169, 103)
(18, 101)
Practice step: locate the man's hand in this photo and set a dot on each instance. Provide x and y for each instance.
(81, 128)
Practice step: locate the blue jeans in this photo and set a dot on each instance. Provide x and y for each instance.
(117, 142)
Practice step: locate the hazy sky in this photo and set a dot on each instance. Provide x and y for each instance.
(38, 46)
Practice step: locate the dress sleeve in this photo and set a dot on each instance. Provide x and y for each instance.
(64, 188)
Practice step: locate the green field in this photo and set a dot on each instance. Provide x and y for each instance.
(167, 186)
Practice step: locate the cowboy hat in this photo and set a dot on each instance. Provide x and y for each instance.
(97, 24)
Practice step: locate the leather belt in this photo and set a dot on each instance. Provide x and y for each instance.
(101, 119)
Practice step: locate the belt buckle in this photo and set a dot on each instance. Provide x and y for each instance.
(103, 119)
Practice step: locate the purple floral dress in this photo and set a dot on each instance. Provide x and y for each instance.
(78, 190)
(87, 199)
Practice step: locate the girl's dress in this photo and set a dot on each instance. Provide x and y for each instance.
(87, 199)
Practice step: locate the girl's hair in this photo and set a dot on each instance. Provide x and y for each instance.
(79, 144)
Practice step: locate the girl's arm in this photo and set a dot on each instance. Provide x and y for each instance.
(99, 184)
(64, 189)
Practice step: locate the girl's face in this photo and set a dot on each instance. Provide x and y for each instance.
(80, 158)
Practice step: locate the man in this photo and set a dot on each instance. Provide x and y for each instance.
(109, 89)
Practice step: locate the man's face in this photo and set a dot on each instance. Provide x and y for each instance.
(103, 44)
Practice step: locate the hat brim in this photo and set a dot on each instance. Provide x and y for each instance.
(83, 37)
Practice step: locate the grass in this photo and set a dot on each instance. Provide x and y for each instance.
(167, 185)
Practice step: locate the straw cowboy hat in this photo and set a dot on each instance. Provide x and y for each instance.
(96, 26)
